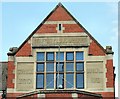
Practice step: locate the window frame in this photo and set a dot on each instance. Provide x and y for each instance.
(79, 70)
(63, 81)
(50, 53)
(70, 82)
(52, 65)
(69, 67)
(60, 56)
(72, 56)
(82, 56)
(37, 82)
(82, 79)
(43, 66)
(50, 81)
(64, 71)
(62, 67)
(41, 53)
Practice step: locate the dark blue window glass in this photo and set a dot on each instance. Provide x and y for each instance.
(60, 81)
(69, 80)
(69, 56)
(40, 81)
(49, 67)
(40, 56)
(79, 56)
(70, 66)
(60, 56)
(50, 56)
(79, 80)
(60, 67)
(80, 66)
(49, 80)
(60, 27)
(40, 67)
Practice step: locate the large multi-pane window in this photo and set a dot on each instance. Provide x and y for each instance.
(60, 70)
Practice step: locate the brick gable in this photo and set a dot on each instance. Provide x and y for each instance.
(95, 50)
(60, 15)
(25, 50)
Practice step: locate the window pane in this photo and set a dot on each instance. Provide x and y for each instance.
(59, 27)
(60, 56)
(79, 66)
(40, 81)
(69, 66)
(40, 67)
(69, 56)
(59, 67)
(60, 81)
(49, 80)
(69, 80)
(80, 80)
(40, 56)
(50, 56)
(49, 67)
(79, 56)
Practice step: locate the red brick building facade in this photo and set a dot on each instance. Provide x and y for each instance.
(60, 59)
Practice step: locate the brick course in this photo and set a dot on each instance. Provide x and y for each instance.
(72, 28)
(47, 28)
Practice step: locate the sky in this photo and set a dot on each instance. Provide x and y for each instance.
(19, 19)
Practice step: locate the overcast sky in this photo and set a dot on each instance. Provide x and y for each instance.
(20, 19)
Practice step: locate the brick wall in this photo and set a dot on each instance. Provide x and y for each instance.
(107, 95)
(14, 95)
(60, 15)
(64, 96)
(81, 96)
(47, 28)
(11, 75)
(25, 50)
(110, 74)
(95, 50)
(72, 28)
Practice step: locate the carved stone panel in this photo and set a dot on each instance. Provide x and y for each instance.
(62, 41)
(95, 75)
(25, 77)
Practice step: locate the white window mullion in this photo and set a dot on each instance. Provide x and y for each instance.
(45, 73)
(54, 70)
(74, 70)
